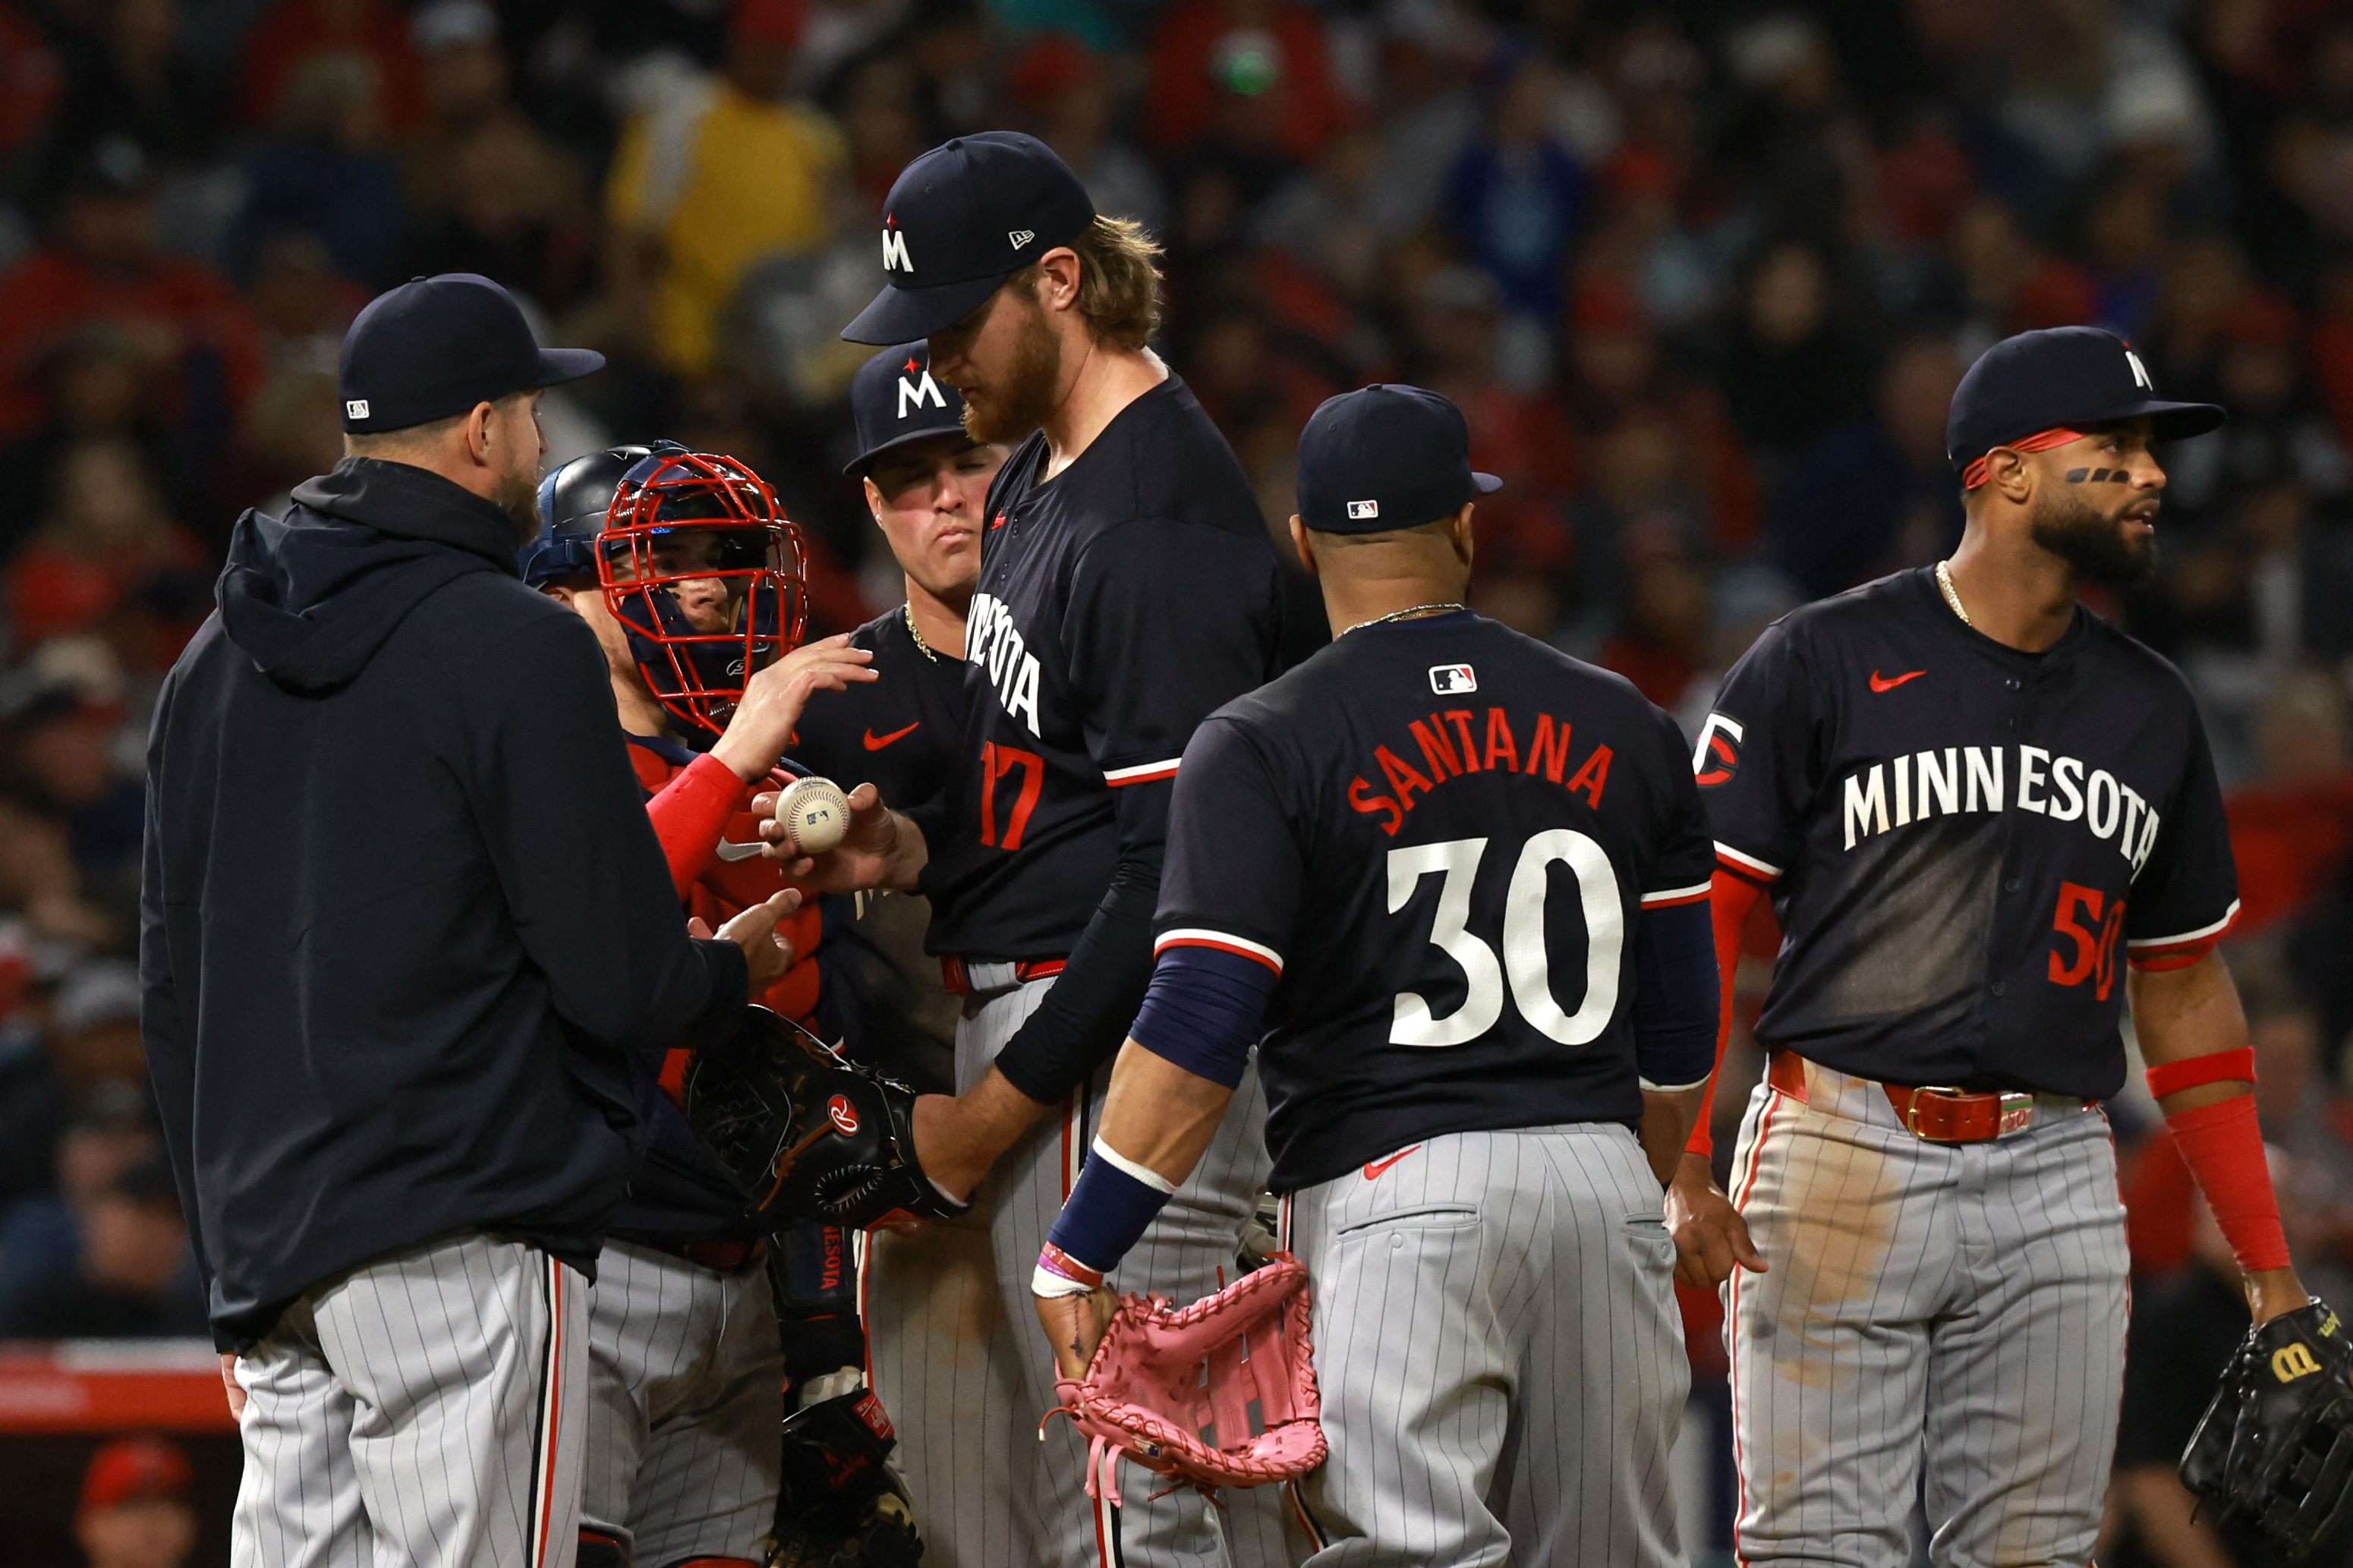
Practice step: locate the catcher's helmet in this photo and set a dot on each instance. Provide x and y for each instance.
(696, 559)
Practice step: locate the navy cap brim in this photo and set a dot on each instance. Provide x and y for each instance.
(2176, 421)
(857, 465)
(902, 315)
(1488, 483)
(559, 365)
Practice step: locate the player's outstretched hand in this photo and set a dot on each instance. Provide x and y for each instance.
(1075, 1325)
(766, 949)
(761, 728)
(880, 849)
(1711, 1236)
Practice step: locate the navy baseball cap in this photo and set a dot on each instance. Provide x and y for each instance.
(1383, 457)
(961, 219)
(436, 346)
(893, 400)
(2061, 378)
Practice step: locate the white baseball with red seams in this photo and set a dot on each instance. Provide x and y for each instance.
(815, 814)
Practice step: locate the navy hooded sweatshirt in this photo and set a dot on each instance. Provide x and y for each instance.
(403, 921)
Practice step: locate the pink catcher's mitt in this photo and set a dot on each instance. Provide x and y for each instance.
(1173, 1389)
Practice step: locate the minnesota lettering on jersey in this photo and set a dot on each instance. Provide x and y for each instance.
(994, 643)
(1913, 788)
(1455, 741)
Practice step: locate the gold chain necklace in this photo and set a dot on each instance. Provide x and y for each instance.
(1952, 597)
(907, 614)
(1405, 615)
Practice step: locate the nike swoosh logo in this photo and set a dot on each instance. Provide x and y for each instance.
(1373, 1171)
(1881, 683)
(875, 743)
(730, 850)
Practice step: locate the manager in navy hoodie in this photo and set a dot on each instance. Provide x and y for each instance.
(403, 919)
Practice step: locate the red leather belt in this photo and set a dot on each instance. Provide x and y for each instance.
(963, 977)
(1931, 1114)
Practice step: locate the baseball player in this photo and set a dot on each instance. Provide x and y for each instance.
(925, 482)
(403, 928)
(1459, 882)
(1127, 589)
(687, 1368)
(1986, 819)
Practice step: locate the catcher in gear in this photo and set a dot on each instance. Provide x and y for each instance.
(690, 574)
(2276, 1447)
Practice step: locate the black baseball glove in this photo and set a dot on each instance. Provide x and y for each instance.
(2276, 1445)
(839, 1507)
(807, 1132)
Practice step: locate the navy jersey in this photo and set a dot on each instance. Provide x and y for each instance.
(898, 731)
(1440, 833)
(1121, 602)
(1965, 843)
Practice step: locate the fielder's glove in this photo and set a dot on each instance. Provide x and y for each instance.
(2276, 1445)
(840, 1507)
(807, 1132)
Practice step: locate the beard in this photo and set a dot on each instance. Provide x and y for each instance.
(517, 495)
(2095, 545)
(1017, 402)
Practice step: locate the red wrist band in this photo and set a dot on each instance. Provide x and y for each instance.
(2223, 1147)
(2172, 1077)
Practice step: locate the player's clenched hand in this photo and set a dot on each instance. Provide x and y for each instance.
(1075, 1325)
(766, 949)
(229, 1381)
(761, 728)
(1710, 1234)
(880, 849)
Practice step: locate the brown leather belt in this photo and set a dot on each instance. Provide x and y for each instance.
(965, 977)
(1932, 1113)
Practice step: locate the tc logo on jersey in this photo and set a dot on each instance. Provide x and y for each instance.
(1718, 756)
(1451, 679)
(838, 1111)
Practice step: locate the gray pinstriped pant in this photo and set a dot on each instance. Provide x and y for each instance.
(423, 1409)
(686, 1371)
(1499, 1354)
(1946, 1312)
(965, 1373)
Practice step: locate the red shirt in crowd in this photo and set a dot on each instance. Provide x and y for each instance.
(53, 294)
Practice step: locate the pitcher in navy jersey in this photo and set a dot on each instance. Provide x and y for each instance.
(1452, 885)
(1985, 819)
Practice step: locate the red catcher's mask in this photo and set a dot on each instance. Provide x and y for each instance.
(707, 576)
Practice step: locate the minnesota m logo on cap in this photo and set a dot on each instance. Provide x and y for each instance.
(894, 248)
(915, 393)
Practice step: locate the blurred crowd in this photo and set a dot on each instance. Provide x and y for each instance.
(1702, 274)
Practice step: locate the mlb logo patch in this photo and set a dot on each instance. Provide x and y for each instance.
(1453, 679)
(1360, 510)
(355, 408)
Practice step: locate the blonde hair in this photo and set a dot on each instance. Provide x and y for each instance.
(1119, 282)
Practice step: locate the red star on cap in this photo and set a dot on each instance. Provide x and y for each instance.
(912, 366)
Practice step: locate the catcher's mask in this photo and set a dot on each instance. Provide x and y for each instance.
(706, 575)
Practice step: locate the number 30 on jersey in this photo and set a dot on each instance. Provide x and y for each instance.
(1525, 966)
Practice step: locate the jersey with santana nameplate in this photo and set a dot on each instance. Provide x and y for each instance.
(1441, 834)
(900, 731)
(1965, 843)
(1120, 602)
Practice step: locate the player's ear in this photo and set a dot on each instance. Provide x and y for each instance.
(874, 498)
(1300, 545)
(1458, 533)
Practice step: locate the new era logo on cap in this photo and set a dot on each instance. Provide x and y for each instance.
(1451, 680)
(1360, 510)
(355, 408)
(1021, 237)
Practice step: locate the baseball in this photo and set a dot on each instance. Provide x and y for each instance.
(815, 813)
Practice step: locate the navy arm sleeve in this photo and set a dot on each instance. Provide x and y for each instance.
(565, 823)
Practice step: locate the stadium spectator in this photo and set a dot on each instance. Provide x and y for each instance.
(293, 32)
(135, 1507)
(1062, 93)
(1248, 80)
(712, 181)
(134, 1276)
(1515, 199)
(1790, 375)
